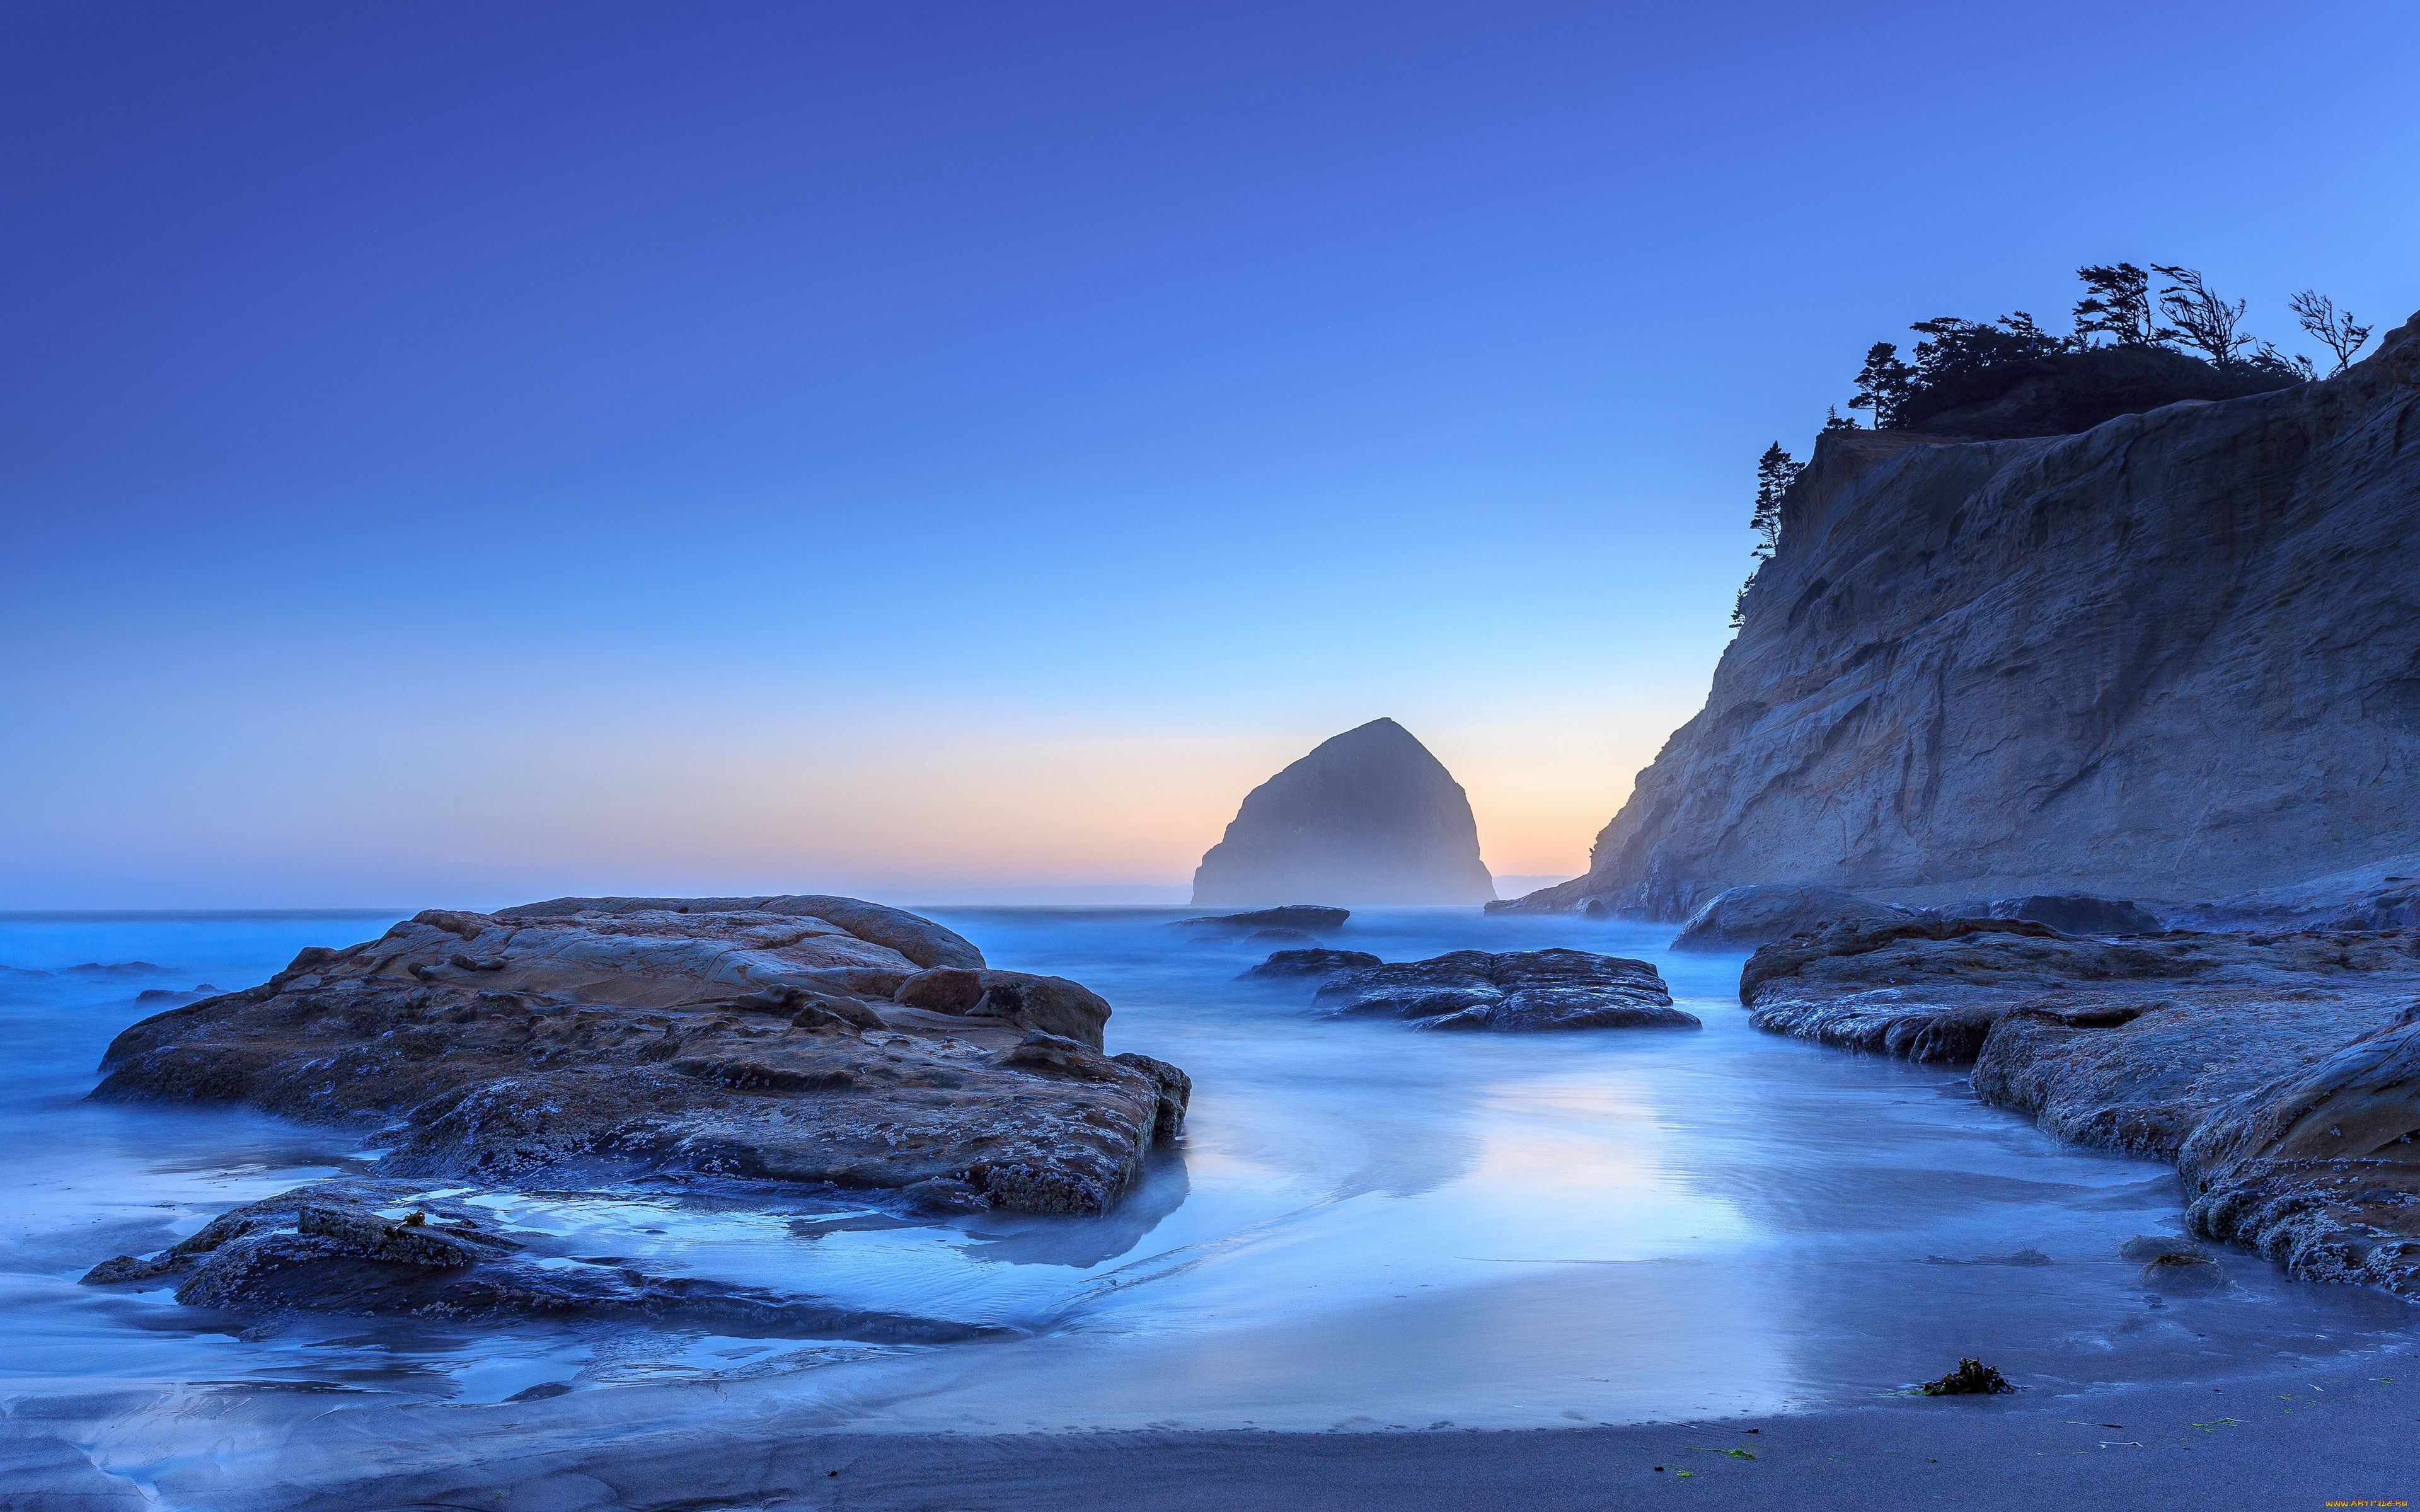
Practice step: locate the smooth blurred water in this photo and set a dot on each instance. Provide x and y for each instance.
(1367, 1225)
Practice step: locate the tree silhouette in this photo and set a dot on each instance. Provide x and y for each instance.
(2333, 326)
(1774, 472)
(1834, 420)
(2200, 319)
(2116, 304)
(1884, 384)
(1955, 350)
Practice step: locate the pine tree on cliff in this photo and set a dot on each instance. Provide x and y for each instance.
(1774, 472)
(2116, 304)
(1884, 384)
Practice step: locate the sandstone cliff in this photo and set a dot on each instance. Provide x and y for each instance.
(2173, 656)
(1368, 817)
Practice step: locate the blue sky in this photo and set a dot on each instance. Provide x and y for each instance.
(451, 453)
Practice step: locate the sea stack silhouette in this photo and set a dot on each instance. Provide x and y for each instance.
(1368, 817)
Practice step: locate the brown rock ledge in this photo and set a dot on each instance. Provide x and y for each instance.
(799, 1039)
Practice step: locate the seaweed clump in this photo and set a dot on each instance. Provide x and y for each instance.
(1972, 1378)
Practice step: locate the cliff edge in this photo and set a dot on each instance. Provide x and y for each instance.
(2173, 656)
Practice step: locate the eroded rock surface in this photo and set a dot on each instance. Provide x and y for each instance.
(2280, 1070)
(1516, 991)
(1740, 918)
(762, 1039)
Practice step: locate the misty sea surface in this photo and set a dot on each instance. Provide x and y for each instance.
(1367, 1226)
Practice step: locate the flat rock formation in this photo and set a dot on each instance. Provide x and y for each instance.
(1369, 817)
(2173, 657)
(1514, 991)
(2280, 1070)
(1740, 918)
(1308, 919)
(377, 1248)
(811, 1040)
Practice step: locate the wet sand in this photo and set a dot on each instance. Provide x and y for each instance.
(2345, 1435)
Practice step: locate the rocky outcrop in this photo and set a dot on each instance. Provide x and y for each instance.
(755, 1038)
(377, 1248)
(1740, 918)
(1368, 817)
(1516, 991)
(2173, 657)
(2280, 1070)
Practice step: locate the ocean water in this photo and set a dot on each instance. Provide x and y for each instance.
(1367, 1226)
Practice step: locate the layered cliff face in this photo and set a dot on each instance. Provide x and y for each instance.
(1368, 817)
(2173, 656)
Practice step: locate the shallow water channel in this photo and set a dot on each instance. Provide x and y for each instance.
(1367, 1225)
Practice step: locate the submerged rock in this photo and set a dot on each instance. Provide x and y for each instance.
(762, 1039)
(1744, 917)
(1519, 990)
(1281, 939)
(2280, 1070)
(381, 1247)
(1311, 962)
(1370, 817)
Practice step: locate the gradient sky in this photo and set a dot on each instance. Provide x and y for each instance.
(460, 453)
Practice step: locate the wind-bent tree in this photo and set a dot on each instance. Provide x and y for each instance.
(2334, 328)
(2116, 304)
(1884, 384)
(1955, 348)
(2199, 318)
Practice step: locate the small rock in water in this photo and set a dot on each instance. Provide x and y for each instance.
(1311, 918)
(2184, 1271)
(1517, 991)
(1972, 1378)
(1311, 962)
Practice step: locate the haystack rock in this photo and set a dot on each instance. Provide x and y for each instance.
(1369, 817)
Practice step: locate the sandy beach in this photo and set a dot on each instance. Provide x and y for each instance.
(2294, 1438)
